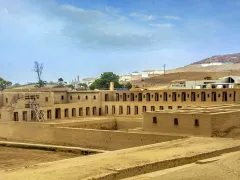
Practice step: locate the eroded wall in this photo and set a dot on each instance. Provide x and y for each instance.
(76, 97)
(1, 99)
(4, 115)
(128, 123)
(45, 99)
(164, 123)
(223, 123)
(102, 124)
(106, 140)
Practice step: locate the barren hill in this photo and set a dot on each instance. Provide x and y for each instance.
(195, 71)
(199, 68)
(231, 62)
(188, 76)
(228, 58)
(164, 81)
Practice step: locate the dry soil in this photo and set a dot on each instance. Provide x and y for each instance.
(11, 158)
(128, 162)
(219, 168)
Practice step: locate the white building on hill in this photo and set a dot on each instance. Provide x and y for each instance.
(88, 81)
(135, 73)
(146, 73)
(224, 82)
(212, 64)
(125, 78)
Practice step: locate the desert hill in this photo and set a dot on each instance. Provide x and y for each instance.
(163, 81)
(231, 62)
(187, 76)
(196, 71)
(199, 68)
(228, 58)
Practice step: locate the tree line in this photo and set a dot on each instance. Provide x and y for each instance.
(104, 82)
(101, 83)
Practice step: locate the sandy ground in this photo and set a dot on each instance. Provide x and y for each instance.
(226, 167)
(16, 157)
(122, 162)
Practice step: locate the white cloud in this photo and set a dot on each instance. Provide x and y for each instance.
(112, 10)
(143, 17)
(115, 13)
(71, 8)
(67, 25)
(150, 17)
(158, 25)
(172, 17)
(52, 22)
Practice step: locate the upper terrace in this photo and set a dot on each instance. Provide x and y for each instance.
(227, 108)
(195, 95)
(202, 121)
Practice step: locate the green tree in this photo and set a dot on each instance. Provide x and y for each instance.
(60, 79)
(82, 86)
(4, 84)
(38, 68)
(127, 85)
(70, 86)
(104, 81)
(208, 78)
(51, 83)
(61, 82)
(16, 85)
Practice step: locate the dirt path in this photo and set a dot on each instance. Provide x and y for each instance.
(221, 168)
(128, 162)
(16, 157)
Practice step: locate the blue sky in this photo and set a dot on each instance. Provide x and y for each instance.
(88, 37)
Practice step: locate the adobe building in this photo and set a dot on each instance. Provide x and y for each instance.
(204, 121)
(51, 104)
(116, 103)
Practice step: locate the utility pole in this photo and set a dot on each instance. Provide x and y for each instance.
(164, 66)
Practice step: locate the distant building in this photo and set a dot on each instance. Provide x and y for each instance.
(224, 82)
(88, 81)
(212, 64)
(135, 73)
(125, 78)
(146, 73)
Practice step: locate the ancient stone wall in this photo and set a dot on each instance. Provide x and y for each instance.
(223, 123)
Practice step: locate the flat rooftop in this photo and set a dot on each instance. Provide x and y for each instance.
(210, 110)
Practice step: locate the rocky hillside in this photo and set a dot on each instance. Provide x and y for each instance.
(232, 58)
